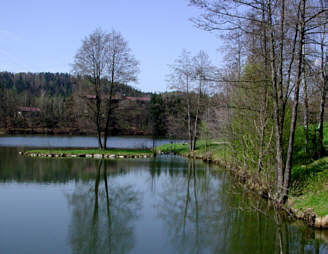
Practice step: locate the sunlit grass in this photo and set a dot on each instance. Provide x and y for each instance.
(210, 149)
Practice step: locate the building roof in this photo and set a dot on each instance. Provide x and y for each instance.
(137, 98)
(28, 109)
(129, 98)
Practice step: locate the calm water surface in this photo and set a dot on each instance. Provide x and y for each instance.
(162, 205)
(80, 141)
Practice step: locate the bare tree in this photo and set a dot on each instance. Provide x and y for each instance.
(190, 76)
(180, 79)
(203, 72)
(105, 59)
(122, 68)
(91, 62)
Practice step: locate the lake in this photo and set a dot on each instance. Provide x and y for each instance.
(80, 141)
(166, 204)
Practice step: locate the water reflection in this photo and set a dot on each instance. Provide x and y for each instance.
(44, 170)
(162, 205)
(208, 214)
(80, 141)
(103, 214)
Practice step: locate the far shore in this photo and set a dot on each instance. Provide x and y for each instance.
(63, 131)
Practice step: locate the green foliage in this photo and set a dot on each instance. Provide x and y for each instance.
(157, 115)
(251, 120)
(305, 167)
(205, 134)
(302, 154)
(53, 84)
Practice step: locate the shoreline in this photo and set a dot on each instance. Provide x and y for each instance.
(254, 184)
(62, 131)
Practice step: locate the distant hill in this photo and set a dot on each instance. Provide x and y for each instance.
(52, 84)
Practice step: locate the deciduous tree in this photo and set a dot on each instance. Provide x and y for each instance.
(105, 59)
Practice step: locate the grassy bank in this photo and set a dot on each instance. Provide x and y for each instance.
(309, 176)
(310, 187)
(212, 150)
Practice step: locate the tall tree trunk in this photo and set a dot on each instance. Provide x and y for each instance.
(263, 116)
(306, 107)
(189, 116)
(278, 131)
(98, 112)
(324, 81)
(194, 137)
(321, 149)
(109, 114)
(284, 194)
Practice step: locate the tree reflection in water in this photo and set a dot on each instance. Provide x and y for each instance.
(208, 214)
(103, 215)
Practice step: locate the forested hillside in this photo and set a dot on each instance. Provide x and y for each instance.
(57, 103)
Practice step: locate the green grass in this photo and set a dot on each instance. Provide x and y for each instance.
(211, 149)
(309, 183)
(310, 186)
(94, 151)
(173, 148)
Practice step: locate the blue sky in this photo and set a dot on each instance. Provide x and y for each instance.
(44, 35)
